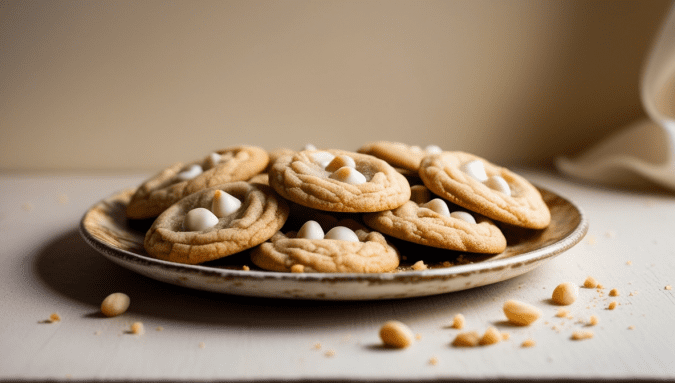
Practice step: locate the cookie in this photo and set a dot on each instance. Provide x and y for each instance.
(405, 158)
(345, 248)
(339, 181)
(237, 163)
(432, 222)
(480, 186)
(190, 231)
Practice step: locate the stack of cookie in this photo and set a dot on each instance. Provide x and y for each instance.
(332, 210)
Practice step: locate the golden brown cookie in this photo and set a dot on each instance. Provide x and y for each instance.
(261, 214)
(474, 183)
(406, 158)
(237, 163)
(367, 252)
(431, 222)
(339, 181)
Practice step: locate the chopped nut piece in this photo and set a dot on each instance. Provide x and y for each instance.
(593, 320)
(491, 336)
(579, 335)
(396, 334)
(297, 268)
(612, 305)
(565, 294)
(519, 313)
(115, 304)
(419, 266)
(466, 339)
(528, 343)
(458, 321)
(54, 317)
(614, 293)
(590, 283)
(137, 328)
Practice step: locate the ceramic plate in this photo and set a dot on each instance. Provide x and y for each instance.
(105, 227)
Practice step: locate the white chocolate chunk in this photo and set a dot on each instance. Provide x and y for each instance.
(499, 184)
(322, 158)
(439, 206)
(309, 147)
(212, 160)
(433, 149)
(349, 175)
(475, 169)
(464, 216)
(311, 230)
(340, 161)
(190, 173)
(341, 233)
(224, 204)
(199, 219)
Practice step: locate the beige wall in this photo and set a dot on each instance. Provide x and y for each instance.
(138, 85)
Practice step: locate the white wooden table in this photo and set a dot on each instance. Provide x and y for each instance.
(46, 267)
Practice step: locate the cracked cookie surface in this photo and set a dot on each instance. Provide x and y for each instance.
(165, 188)
(261, 215)
(524, 207)
(301, 179)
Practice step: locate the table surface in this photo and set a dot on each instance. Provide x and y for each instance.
(46, 267)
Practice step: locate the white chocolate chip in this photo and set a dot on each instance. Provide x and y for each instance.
(322, 158)
(199, 219)
(464, 216)
(339, 162)
(499, 184)
(309, 147)
(475, 169)
(349, 175)
(341, 233)
(439, 206)
(224, 204)
(190, 173)
(433, 149)
(311, 230)
(212, 160)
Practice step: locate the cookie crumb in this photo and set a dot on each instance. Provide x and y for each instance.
(590, 283)
(562, 313)
(466, 339)
(519, 313)
(202, 345)
(631, 327)
(54, 317)
(612, 305)
(418, 336)
(396, 334)
(629, 263)
(528, 343)
(245, 268)
(330, 353)
(433, 361)
(159, 328)
(27, 206)
(614, 293)
(565, 294)
(447, 263)
(610, 234)
(600, 286)
(506, 336)
(591, 240)
(579, 335)
(593, 320)
(458, 321)
(419, 266)
(317, 346)
(97, 333)
(668, 287)
(491, 336)
(137, 328)
(115, 304)
(297, 268)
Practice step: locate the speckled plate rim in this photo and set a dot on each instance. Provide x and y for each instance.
(523, 262)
